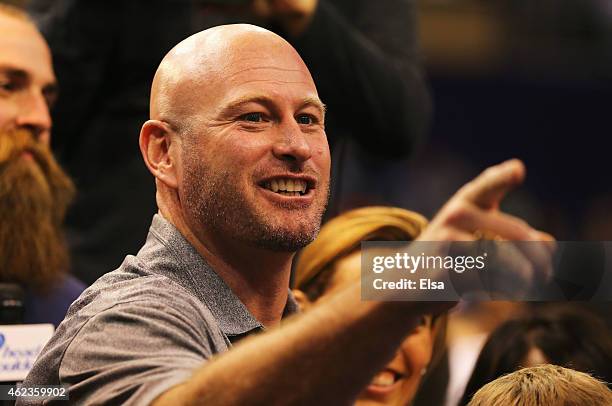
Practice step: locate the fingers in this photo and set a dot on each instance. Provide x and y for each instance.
(468, 217)
(471, 218)
(524, 255)
(489, 188)
(445, 232)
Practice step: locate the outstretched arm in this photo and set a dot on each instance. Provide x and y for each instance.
(329, 354)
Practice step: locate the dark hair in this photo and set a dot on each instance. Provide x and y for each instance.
(566, 336)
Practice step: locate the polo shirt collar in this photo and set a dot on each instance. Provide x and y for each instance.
(197, 276)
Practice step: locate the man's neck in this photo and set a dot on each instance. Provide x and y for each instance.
(258, 277)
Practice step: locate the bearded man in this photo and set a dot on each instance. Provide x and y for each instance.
(237, 145)
(34, 190)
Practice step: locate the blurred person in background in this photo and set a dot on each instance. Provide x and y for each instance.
(34, 190)
(560, 334)
(362, 54)
(333, 261)
(544, 385)
(469, 326)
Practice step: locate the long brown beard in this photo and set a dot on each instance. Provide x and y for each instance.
(34, 195)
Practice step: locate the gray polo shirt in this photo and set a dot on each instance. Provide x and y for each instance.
(145, 327)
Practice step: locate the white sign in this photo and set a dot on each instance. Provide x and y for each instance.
(20, 344)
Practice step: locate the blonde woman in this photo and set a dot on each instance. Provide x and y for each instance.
(332, 262)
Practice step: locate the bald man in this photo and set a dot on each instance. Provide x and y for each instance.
(237, 145)
(34, 190)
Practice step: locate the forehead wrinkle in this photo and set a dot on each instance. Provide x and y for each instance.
(265, 98)
(206, 59)
(248, 69)
(280, 82)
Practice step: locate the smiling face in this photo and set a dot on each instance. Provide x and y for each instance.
(255, 158)
(27, 82)
(399, 381)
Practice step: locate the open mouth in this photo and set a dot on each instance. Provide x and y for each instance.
(385, 379)
(284, 186)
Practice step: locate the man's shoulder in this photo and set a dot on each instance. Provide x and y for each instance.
(126, 306)
(133, 283)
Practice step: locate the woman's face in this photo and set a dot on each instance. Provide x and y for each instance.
(398, 382)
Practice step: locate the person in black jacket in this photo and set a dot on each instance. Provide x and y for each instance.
(362, 54)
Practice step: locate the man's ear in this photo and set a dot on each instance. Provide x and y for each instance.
(301, 299)
(156, 147)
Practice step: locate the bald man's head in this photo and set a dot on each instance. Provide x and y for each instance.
(251, 162)
(197, 66)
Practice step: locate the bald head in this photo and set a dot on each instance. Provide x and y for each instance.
(199, 67)
(234, 109)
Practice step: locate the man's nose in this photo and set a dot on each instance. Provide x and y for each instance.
(292, 145)
(34, 116)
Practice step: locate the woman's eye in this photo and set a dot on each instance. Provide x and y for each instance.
(305, 119)
(253, 117)
(7, 86)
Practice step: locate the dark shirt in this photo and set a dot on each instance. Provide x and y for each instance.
(144, 327)
(52, 307)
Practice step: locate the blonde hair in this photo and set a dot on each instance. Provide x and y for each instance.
(544, 385)
(15, 12)
(343, 235)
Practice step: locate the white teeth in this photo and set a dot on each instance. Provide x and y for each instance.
(384, 378)
(291, 187)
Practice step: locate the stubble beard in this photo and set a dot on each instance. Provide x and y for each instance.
(34, 195)
(215, 199)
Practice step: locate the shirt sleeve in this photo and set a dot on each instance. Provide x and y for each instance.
(133, 352)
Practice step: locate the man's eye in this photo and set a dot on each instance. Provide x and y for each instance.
(305, 119)
(253, 117)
